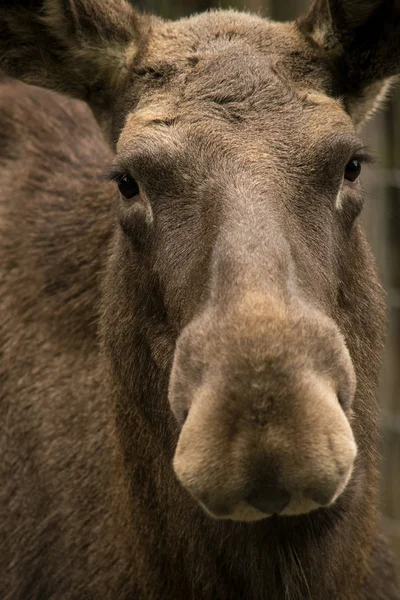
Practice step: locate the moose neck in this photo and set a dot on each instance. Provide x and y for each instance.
(237, 559)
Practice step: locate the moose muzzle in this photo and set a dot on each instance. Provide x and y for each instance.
(262, 391)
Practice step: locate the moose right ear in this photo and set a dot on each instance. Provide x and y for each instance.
(78, 47)
(362, 39)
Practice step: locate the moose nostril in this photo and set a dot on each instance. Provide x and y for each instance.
(184, 416)
(344, 399)
(321, 497)
(181, 414)
(269, 500)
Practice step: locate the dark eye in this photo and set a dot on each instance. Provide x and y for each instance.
(128, 187)
(352, 170)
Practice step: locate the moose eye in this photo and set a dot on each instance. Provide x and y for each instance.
(352, 170)
(128, 187)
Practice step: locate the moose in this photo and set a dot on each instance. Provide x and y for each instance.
(191, 322)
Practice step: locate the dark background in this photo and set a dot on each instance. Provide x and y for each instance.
(382, 219)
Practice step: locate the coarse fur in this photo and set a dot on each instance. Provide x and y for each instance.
(216, 336)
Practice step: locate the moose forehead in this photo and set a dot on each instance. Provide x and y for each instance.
(234, 73)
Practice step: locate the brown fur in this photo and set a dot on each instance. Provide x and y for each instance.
(236, 270)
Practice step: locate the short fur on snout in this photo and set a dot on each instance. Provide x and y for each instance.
(264, 392)
(210, 340)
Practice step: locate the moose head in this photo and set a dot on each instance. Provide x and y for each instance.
(239, 266)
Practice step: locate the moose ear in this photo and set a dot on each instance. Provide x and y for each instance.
(362, 40)
(78, 47)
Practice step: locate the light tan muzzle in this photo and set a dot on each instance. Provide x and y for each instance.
(264, 409)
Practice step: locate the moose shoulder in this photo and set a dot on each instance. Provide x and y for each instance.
(189, 366)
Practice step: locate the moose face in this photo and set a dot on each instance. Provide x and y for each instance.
(239, 183)
(238, 162)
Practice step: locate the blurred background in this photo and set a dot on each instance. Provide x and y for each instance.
(382, 220)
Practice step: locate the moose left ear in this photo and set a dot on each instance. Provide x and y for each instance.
(362, 39)
(82, 48)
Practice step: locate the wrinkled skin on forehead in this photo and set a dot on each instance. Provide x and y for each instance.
(222, 58)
